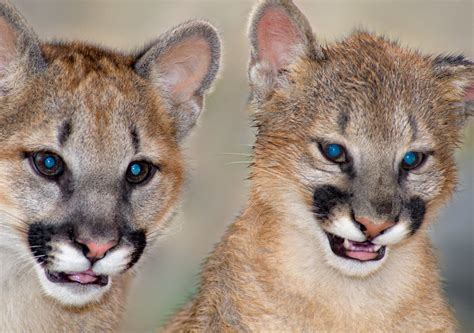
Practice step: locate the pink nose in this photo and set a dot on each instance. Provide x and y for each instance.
(373, 229)
(97, 250)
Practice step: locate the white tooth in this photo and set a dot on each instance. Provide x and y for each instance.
(347, 245)
(377, 247)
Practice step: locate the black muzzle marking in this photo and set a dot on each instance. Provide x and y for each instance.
(325, 198)
(417, 209)
(40, 236)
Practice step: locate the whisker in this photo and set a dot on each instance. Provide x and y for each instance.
(29, 268)
(25, 266)
(18, 224)
(238, 162)
(16, 218)
(282, 177)
(235, 154)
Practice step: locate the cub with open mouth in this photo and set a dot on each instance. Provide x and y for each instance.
(359, 227)
(353, 158)
(91, 167)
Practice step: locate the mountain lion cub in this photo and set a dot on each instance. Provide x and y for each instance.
(90, 167)
(353, 158)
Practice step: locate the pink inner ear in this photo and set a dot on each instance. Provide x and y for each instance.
(277, 38)
(184, 66)
(8, 38)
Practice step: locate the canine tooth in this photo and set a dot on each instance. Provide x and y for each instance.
(347, 245)
(377, 247)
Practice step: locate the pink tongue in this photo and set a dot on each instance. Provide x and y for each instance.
(83, 277)
(363, 256)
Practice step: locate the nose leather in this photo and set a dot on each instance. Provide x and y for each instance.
(373, 229)
(97, 250)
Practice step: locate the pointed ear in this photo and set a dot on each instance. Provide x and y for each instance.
(279, 36)
(182, 65)
(20, 52)
(458, 73)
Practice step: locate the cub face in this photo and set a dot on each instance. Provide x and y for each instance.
(355, 140)
(91, 168)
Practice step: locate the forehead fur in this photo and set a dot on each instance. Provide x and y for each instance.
(367, 82)
(89, 85)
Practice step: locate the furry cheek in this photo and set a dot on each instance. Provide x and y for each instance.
(65, 258)
(114, 263)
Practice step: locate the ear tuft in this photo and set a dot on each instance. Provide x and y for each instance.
(182, 65)
(279, 35)
(19, 48)
(458, 72)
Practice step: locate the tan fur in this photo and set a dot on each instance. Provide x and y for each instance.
(270, 272)
(83, 70)
(99, 111)
(256, 282)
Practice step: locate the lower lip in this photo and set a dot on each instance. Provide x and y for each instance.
(362, 256)
(82, 278)
(337, 246)
(86, 278)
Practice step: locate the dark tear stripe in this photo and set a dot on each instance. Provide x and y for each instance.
(64, 132)
(135, 139)
(342, 121)
(414, 126)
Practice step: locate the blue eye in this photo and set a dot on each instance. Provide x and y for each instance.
(135, 169)
(47, 164)
(139, 171)
(409, 158)
(334, 152)
(412, 160)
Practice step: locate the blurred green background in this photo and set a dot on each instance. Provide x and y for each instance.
(216, 189)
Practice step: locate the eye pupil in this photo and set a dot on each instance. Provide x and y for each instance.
(49, 162)
(135, 169)
(410, 158)
(334, 150)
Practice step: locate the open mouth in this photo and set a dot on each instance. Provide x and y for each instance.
(87, 277)
(361, 251)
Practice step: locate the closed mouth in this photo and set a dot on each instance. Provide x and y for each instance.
(360, 251)
(87, 277)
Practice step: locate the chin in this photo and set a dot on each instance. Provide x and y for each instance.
(73, 289)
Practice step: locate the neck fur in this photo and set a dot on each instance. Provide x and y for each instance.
(293, 265)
